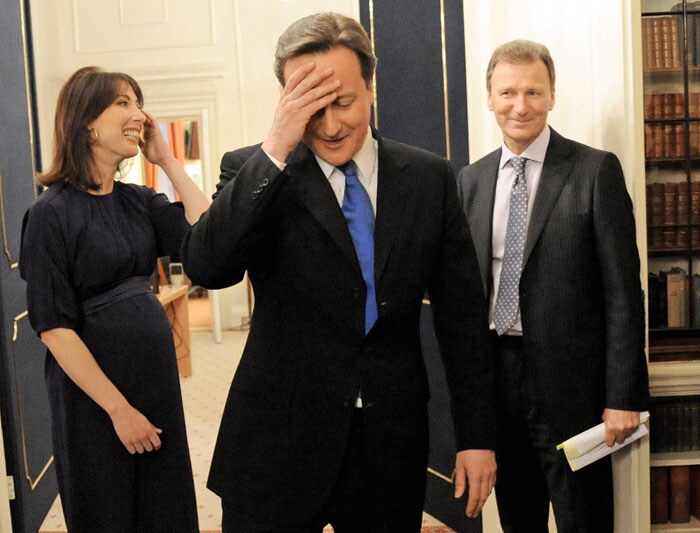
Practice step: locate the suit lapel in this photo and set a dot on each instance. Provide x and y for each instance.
(556, 169)
(481, 226)
(314, 191)
(391, 198)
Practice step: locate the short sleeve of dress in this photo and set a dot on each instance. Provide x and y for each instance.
(169, 222)
(51, 299)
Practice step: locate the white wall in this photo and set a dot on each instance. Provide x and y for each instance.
(590, 44)
(596, 47)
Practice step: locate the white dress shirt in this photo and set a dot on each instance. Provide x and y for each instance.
(506, 177)
(366, 164)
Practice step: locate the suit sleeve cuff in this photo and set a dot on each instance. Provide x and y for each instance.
(278, 164)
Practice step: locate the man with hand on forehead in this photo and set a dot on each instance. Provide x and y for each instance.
(342, 232)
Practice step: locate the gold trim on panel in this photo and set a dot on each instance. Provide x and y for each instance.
(33, 482)
(30, 114)
(17, 319)
(8, 254)
(443, 43)
(374, 75)
(450, 480)
(6, 246)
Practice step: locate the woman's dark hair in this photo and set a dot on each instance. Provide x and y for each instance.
(83, 98)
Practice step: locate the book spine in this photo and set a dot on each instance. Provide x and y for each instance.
(656, 235)
(653, 301)
(678, 144)
(695, 491)
(694, 425)
(670, 219)
(658, 487)
(679, 485)
(663, 301)
(684, 299)
(647, 42)
(668, 141)
(655, 61)
(695, 303)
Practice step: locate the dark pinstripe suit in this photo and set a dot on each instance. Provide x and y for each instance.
(287, 422)
(581, 307)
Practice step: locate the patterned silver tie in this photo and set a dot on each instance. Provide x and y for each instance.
(508, 300)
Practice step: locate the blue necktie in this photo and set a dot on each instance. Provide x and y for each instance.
(505, 313)
(359, 215)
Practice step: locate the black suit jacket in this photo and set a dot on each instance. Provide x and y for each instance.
(286, 421)
(581, 301)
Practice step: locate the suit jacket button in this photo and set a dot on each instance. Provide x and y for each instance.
(254, 196)
(265, 182)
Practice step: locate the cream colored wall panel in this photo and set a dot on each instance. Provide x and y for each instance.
(565, 28)
(120, 42)
(119, 25)
(258, 26)
(140, 12)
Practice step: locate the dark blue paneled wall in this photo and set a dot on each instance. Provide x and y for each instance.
(23, 398)
(421, 100)
(414, 104)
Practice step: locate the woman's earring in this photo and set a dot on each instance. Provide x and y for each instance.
(94, 136)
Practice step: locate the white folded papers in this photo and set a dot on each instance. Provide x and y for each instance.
(589, 446)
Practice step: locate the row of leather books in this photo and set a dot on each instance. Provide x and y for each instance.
(675, 494)
(667, 141)
(670, 106)
(672, 297)
(675, 424)
(669, 213)
(660, 42)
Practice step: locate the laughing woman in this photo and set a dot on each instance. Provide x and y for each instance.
(89, 244)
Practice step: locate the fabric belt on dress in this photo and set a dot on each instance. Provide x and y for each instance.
(126, 289)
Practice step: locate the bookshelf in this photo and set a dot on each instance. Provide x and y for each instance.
(671, 81)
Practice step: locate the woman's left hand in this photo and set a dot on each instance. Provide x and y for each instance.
(154, 145)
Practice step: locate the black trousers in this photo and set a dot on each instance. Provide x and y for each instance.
(531, 471)
(364, 499)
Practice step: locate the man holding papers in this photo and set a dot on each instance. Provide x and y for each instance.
(553, 229)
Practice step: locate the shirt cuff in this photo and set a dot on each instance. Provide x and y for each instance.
(278, 164)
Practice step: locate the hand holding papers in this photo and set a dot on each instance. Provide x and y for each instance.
(589, 446)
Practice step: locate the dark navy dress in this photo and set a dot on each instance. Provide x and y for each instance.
(75, 247)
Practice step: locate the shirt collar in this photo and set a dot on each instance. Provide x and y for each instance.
(364, 159)
(535, 152)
